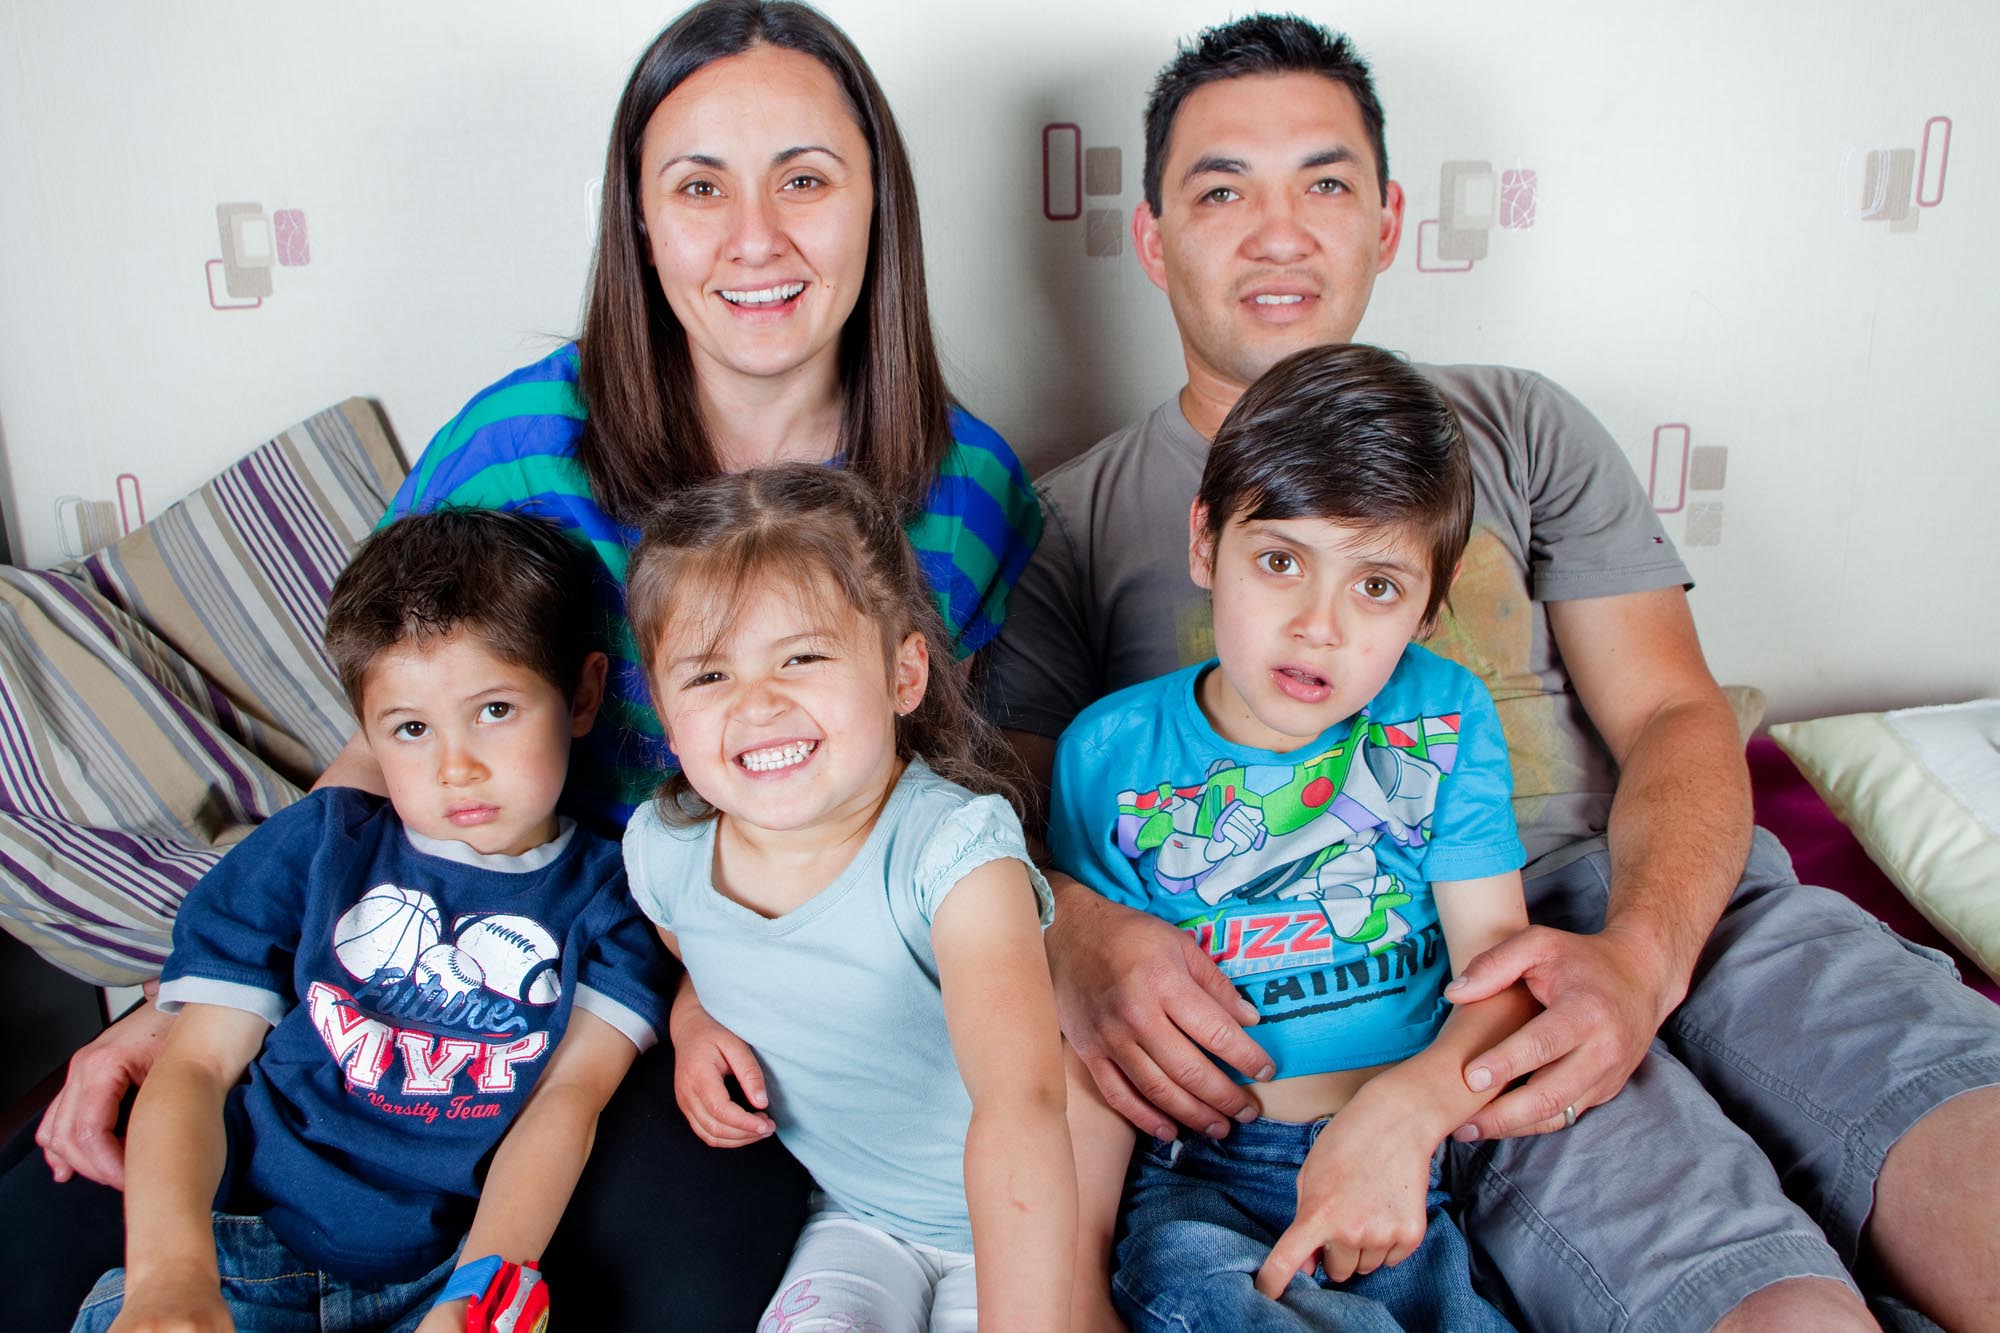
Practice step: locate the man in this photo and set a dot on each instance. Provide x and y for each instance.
(1865, 1076)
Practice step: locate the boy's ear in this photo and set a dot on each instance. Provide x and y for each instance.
(589, 694)
(1201, 550)
(910, 674)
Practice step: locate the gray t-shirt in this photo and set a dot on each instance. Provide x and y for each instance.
(839, 997)
(1559, 515)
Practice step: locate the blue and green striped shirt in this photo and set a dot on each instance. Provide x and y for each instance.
(514, 447)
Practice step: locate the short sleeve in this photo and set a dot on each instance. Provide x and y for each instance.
(979, 528)
(237, 932)
(662, 861)
(980, 830)
(1039, 672)
(1085, 816)
(1472, 830)
(1592, 532)
(624, 979)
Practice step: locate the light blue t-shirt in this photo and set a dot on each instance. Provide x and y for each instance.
(839, 997)
(1306, 876)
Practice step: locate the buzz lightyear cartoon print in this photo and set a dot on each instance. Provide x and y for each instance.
(1251, 841)
(442, 1003)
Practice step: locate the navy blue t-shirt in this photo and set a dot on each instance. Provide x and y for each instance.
(416, 989)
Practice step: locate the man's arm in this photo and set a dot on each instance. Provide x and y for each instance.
(1141, 1003)
(1679, 835)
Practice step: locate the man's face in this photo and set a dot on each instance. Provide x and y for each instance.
(1271, 227)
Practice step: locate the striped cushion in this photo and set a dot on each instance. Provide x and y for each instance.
(166, 694)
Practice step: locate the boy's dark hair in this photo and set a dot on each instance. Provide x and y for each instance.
(514, 582)
(1258, 44)
(831, 533)
(1351, 434)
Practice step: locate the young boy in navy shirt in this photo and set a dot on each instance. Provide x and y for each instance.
(1325, 809)
(414, 985)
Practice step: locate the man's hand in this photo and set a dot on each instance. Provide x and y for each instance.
(77, 1134)
(705, 1052)
(1603, 997)
(1361, 1198)
(1143, 1005)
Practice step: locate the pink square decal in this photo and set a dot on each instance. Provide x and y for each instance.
(294, 247)
(1517, 199)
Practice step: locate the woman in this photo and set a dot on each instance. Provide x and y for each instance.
(758, 296)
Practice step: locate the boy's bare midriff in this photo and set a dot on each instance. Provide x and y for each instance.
(1311, 1097)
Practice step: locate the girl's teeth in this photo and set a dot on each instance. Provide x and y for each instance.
(777, 756)
(765, 296)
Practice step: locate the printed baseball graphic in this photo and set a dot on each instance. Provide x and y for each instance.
(452, 970)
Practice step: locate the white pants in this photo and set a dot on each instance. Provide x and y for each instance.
(849, 1277)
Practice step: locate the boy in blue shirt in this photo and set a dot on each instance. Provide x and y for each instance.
(1325, 809)
(414, 985)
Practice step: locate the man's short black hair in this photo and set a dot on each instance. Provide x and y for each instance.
(516, 583)
(1351, 434)
(1258, 44)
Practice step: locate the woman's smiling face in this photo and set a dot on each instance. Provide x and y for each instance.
(756, 188)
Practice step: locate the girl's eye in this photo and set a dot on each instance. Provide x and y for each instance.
(1278, 562)
(705, 678)
(497, 711)
(410, 731)
(1378, 589)
(804, 659)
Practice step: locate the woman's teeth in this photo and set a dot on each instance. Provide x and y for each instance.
(777, 756)
(766, 295)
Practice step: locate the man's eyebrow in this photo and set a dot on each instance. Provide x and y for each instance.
(1226, 166)
(1331, 157)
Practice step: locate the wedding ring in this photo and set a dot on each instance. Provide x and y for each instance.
(1569, 1116)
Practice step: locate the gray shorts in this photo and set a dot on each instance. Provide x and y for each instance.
(1811, 1039)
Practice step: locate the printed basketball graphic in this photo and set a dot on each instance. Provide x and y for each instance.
(449, 968)
(389, 927)
(519, 957)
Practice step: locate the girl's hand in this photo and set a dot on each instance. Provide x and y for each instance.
(704, 1053)
(184, 1304)
(1361, 1199)
(446, 1318)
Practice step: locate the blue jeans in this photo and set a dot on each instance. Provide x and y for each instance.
(1200, 1218)
(268, 1289)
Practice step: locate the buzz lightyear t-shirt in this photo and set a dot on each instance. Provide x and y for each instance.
(1306, 876)
(416, 989)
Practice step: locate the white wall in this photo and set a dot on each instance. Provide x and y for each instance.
(1694, 255)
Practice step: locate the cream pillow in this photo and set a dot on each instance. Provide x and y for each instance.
(1920, 788)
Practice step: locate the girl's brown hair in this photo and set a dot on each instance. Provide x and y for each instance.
(827, 531)
(644, 438)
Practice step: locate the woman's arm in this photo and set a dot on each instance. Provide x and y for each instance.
(537, 1164)
(177, 1152)
(1020, 1178)
(1362, 1189)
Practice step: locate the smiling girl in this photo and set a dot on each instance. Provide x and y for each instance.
(862, 924)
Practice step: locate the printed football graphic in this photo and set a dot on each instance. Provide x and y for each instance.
(449, 968)
(389, 927)
(520, 958)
